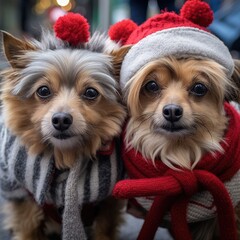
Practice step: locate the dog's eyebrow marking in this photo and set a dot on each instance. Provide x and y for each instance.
(169, 66)
(171, 69)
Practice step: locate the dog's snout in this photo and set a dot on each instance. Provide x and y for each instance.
(62, 121)
(172, 112)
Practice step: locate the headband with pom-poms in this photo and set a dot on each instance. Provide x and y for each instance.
(72, 28)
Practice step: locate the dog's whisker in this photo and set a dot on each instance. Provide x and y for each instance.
(202, 124)
(142, 119)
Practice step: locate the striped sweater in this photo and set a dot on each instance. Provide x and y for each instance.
(88, 181)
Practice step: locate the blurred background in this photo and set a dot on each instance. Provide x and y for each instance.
(24, 17)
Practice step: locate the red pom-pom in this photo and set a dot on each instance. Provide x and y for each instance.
(72, 28)
(119, 32)
(197, 12)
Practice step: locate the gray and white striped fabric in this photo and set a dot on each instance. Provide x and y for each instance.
(88, 181)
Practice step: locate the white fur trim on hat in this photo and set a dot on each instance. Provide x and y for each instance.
(178, 42)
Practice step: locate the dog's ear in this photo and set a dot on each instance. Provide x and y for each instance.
(14, 48)
(118, 56)
(234, 93)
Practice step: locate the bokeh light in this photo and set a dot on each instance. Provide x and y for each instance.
(63, 3)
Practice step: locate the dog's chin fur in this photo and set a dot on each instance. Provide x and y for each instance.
(68, 74)
(203, 123)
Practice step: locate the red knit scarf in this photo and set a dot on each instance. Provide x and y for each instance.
(173, 189)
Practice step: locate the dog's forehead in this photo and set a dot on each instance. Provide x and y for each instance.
(68, 55)
(66, 65)
(53, 54)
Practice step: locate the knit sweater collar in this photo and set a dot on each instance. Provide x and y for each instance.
(167, 185)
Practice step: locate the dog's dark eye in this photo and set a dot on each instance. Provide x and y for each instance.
(91, 94)
(151, 86)
(199, 89)
(44, 92)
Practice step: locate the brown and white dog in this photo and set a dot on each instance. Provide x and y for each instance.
(59, 99)
(181, 141)
(176, 118)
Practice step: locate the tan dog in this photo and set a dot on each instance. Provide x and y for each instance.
(172, 99)
(181, 142)
(177, 115)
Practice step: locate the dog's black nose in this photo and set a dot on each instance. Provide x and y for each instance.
(62, 121)
(172, 112)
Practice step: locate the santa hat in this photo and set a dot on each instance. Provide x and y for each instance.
(170, 34)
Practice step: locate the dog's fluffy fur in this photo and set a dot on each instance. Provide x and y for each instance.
(78, 82)
(61, 98)
(197, 89)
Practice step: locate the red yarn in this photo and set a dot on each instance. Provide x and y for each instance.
(72, 28)
(159, 22)
(173, 189)
(122, 30)
(197, 12)
(194, 13)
